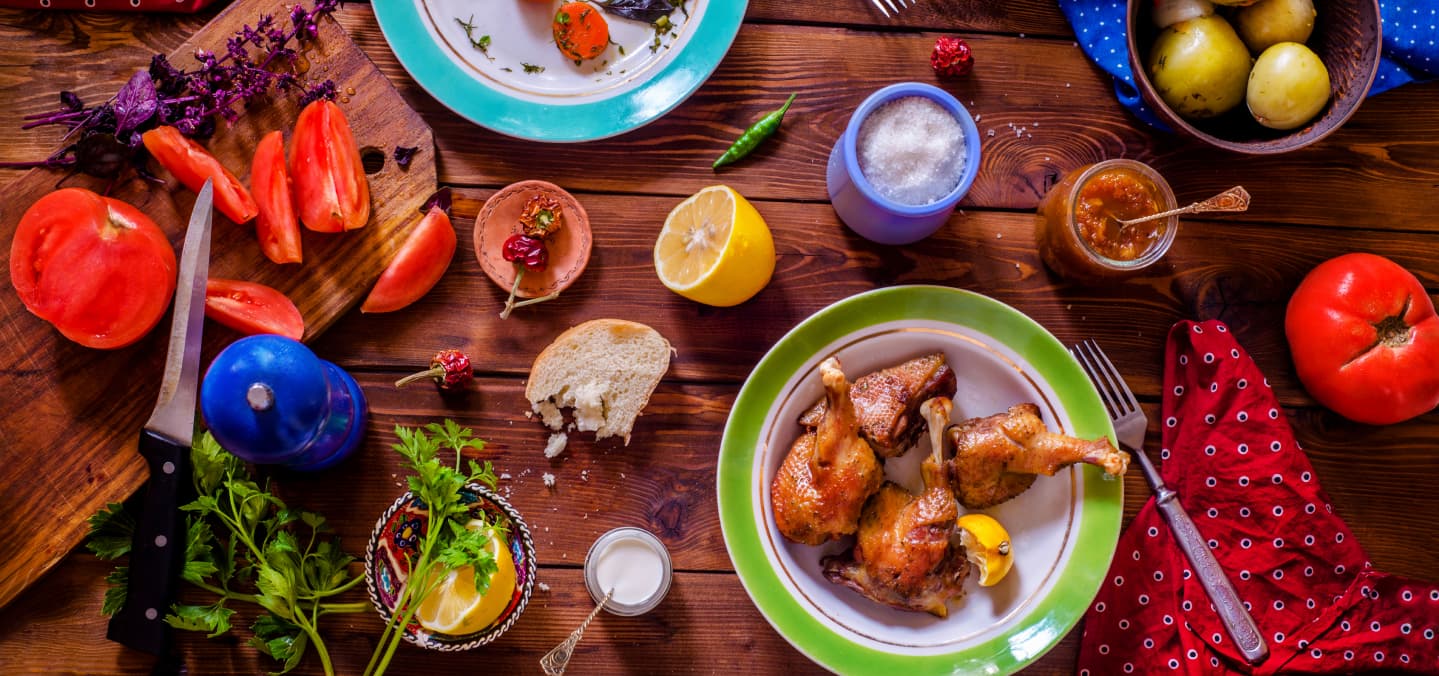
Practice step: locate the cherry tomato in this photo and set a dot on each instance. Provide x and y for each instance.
(252, 308)
(330, 186)
(276, 227)
(418, 266)
(96, 268)
(192, 164)
(580, 31)
(1365, 339)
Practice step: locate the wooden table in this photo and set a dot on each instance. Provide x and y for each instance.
(1374, 186)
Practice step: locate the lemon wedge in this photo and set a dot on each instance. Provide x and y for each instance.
(454, 608)
(987, 546)
(715, 248)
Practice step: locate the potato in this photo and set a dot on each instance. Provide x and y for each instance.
(1270, 22)
(1288, 86)
(1170, 12)
(1199, 67)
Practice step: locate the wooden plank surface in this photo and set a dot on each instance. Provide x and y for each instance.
(1370, 187)
(78, 411)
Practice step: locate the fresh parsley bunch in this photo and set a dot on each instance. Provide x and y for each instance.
(447, 543)
(268, 554)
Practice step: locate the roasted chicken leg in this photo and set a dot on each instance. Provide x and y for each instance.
(905, 555)
(829, 472)
(887, 402)
(997, 458)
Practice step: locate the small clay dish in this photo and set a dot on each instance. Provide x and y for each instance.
(569, 249)
(393, 543)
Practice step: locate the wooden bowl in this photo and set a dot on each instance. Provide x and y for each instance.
(1346, 37)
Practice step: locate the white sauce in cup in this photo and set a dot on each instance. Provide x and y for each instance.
(632, 562)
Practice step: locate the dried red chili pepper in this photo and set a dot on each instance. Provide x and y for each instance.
(951, 56)
(541, 217)
(450, 369)
(527, 251)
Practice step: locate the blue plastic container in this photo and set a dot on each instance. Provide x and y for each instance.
(874, 216)
(269, 400)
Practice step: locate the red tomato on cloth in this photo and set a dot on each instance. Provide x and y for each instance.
(422, 260)
(1230, 455)
(252, 308)
(276, 227)
(192, 164)
(1365, 339)
(99, 270)
(331, 190)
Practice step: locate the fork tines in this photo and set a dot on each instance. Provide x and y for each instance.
(1117, 396)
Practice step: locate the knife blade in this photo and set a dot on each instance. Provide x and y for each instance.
(159, 540)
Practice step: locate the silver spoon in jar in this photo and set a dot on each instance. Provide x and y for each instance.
(555, 661)
(1233, 199)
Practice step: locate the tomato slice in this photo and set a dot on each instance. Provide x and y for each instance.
(252, 308)
(192, 164)
(422, 260)
(331, 190)
(276, 227)
(96, 268)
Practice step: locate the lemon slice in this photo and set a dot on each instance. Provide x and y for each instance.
(454, 608)
(987, 546)
(715, 248)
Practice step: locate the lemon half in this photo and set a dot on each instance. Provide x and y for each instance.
(454, 608)
(987, 546)
(715, 248)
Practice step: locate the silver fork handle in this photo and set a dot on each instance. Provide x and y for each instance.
(1236, 619)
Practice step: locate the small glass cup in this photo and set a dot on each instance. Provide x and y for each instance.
(592, 582)
(1066, 251)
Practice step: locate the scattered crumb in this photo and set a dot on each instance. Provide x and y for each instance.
(530, 415)
(1066, 85)
(999, 235)
(1021, 36)
(564, 556)
(622, 475)
(978, 118)
(505, 476)
(570, 427)
(991, 133)
(585, 475)
(549, 479)
(543, 587)
(1046, 158)
(556, 444)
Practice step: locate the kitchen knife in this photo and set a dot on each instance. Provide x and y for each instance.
(159, 541)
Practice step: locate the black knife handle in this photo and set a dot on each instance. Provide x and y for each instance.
(157, 550)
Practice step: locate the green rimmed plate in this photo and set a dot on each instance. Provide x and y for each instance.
(1064, 529)
(522, 86)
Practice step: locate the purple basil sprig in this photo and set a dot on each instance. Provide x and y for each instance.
(105, 138)
(404, 155)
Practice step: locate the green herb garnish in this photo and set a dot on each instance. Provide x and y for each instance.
(532, 68)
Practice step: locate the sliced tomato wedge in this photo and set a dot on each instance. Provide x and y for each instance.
(252, 308)
(192, 164)
(96, 268)
(276, 227)
(331, 190)
(422, 260)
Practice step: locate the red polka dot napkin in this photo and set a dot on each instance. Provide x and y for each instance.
(1229, 453)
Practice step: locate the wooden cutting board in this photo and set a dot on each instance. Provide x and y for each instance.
(70, 416)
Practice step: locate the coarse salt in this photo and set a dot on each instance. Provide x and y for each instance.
(911, 150)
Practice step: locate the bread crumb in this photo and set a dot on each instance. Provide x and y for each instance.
(622, 475)
(530, 415)
(505, 476)
(549, 479)
(543, 587)
(589, 405)
(556, 445)
(550, 414)
(585, 475)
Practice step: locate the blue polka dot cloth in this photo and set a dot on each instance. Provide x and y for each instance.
(1411, 45)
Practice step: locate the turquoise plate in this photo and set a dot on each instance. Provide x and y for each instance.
(1063, 529)
(498, 65)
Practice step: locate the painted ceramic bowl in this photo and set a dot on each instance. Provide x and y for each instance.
(569, 249)
(397, 534)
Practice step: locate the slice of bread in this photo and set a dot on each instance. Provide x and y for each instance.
(604, 370)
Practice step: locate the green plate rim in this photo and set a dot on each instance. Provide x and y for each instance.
(1097, 535)
(405, 31)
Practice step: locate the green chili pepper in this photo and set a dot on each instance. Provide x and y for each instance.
(752, 137)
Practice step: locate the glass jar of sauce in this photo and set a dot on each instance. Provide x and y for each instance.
(632, 566)
(1078, 229)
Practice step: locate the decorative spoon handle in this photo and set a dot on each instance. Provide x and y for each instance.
(1233, 199)
(555, 661)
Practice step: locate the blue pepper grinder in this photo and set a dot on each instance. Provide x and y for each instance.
(269, 400)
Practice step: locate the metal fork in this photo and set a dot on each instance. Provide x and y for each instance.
(893, 6)
(1130, 424)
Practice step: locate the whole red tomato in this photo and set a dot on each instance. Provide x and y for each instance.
(422, 260)
(1365, 339)
(331, 191)
(95, 267)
